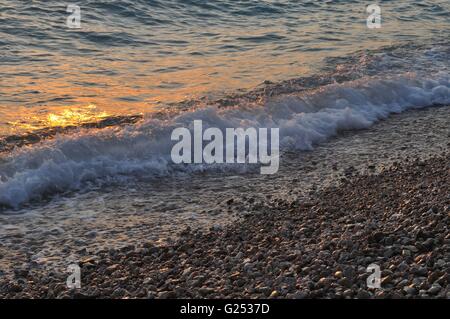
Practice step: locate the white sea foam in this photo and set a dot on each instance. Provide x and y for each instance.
(73, 161)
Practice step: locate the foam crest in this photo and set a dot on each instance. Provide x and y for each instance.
(74, 161)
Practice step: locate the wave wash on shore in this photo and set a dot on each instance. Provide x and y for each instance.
(305, 118)
(352, 92)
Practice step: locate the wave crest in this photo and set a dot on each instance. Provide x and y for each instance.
(119, 153)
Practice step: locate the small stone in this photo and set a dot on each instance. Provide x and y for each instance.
(21, 272)
(423, 293)
(386, 280)
(323, 282)
(388, 241)
(338, 274)
(376, 237)
(380, 294)
(429, 243)
(403, 266)
(266, 291)
(216, 228)
(248, 267)
(345, 282)
(229, 201)
(87, 260)
(15, 287)
(91, 234)
(118, 293)
(348, 293)
(300, 295)
(412, 248)
(410, 290)
(205, 291)
(362, 294)
(235, 275)
(388, 253)
(56, 231)
(187, 271)
(166, 295)
(435, 289)
(240, 282)
(443, 280)
(422, 271)
(274, 294)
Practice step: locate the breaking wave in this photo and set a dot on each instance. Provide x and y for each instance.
(113, 154)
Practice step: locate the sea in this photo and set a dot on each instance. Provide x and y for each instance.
(87, 110)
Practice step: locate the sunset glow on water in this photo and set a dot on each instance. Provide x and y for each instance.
(135, 57)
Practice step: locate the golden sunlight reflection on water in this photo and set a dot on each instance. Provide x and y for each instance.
(70, 116)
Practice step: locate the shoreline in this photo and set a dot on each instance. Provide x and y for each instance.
(47, 237)
(315, 249)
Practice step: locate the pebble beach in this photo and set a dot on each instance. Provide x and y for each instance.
(320, 248)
